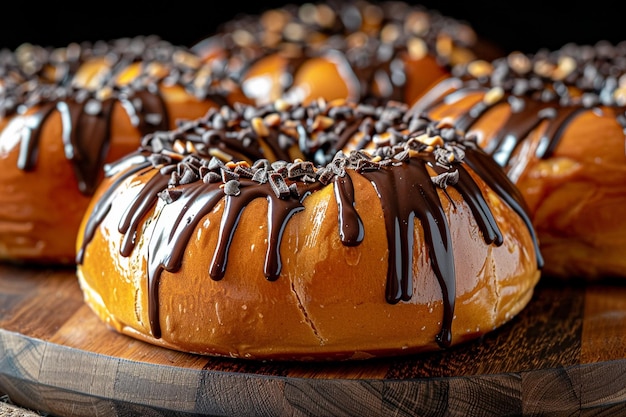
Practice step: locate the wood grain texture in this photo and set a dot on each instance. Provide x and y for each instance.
(565, 354)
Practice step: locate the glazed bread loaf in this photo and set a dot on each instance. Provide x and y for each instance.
(329, 231)
(65, 112)
(358, 50)
(555, 121)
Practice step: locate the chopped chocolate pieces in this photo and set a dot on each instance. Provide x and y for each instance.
(300, 169)
(231, 187)
(26, 73)
(188, 177)
(260, 175)
(367, 165)
(403, 155)
(444, 157)
(174, 179)
(572, 75)
(279, 185)
(215, 164)
(211, 177)
(228, 175)
(446, 178)
(244, 171)
(407, 136)
(170, 195)
(85, 81)
(365, 37)
(325, 175)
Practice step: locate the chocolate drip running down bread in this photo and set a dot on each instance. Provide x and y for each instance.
(212, 165)
(66, 112)
(55, 79)
(90, 103)
(555, 121)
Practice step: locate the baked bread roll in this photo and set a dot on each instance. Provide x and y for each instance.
(67, 111)
(555, 121)
(358, 50)
(331, 231)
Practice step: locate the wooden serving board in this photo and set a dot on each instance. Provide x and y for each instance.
(565, 354)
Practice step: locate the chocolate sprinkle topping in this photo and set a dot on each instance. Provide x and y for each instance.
(399, 171)
(366, 39)
(548, 86)
(49, 79)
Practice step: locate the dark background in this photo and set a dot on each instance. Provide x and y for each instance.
(525, 26)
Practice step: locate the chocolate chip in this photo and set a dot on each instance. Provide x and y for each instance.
(231, 188)
(446, 178)
(280, 187)
(170, 195)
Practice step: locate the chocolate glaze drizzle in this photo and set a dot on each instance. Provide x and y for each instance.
(46, 78)
(366, 40)
(549, 86)
(187, 180)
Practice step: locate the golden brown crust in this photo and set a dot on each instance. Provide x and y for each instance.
(577, 197)
(51, 156)
(560, 138)
(329, 300)
(358, 50)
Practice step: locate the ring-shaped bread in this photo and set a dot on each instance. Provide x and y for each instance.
(322, 232)
(555, 121)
